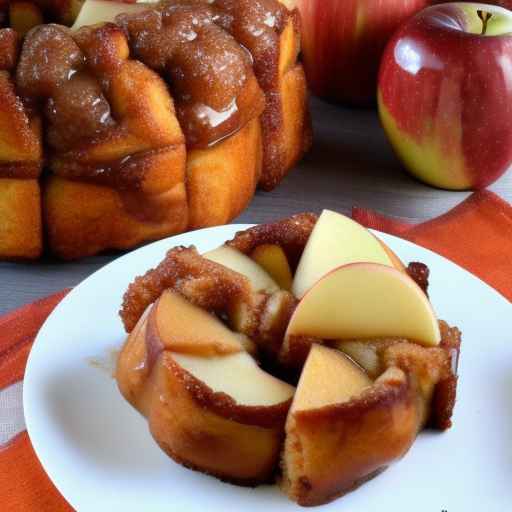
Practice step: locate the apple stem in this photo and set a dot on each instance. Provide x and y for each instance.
(485, 16)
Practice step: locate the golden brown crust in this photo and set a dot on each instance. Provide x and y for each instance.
(203, 282)
(83, 219)
(235, 445)
(287, 130)
(243, 453)
(20, 164)
(361, 436)
(445, 393)
(21, 234)
(221, 180)
(266, 478)
(224, 406)
(20, 135)
(209, 74)
(432, 368)
(291, 234)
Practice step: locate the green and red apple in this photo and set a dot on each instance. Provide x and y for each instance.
(343, 40)
(445, 94)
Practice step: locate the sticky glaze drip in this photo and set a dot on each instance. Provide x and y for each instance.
(123, 174)
(256, 24)
(206, 69)
(52, 73)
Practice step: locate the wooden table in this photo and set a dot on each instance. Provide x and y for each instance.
(350, 164)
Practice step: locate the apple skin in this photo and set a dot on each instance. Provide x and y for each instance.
(342, 43)
(445, 99)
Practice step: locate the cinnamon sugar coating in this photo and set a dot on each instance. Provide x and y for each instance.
(208, 72)
(203, 282)
(419, 272)
(260, 316)
(291, 234)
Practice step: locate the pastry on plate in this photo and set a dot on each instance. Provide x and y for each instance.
(303, 352)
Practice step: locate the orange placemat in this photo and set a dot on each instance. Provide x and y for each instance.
(477, 234)
(24, 485)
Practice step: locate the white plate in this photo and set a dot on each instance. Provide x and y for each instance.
(98, 452)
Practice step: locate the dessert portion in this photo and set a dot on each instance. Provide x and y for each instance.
(209, 405)
(243, 379)
(158, 117)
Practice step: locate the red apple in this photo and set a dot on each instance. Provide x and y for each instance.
(445, 94)
(343, 41)
(507, 4)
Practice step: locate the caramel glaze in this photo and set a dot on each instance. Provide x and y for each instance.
(291, 234)
(200, 46)
(257, 25)
(67, 76)
(205, 283)
(254, 24)
(52, 74)
(210, 75)
(205, 49)
(24, 120)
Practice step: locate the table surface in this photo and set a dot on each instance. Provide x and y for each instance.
(350, 164)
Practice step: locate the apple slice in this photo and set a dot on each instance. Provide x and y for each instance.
(364, 353)
(273, 260)
(239, 262)
(335, 240)
(329, 377)
(342, 430)
(103, 11)
(362, 301)
(176, 324)
(238, 376)
(132, 369)
(223, 415)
